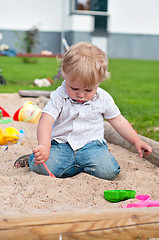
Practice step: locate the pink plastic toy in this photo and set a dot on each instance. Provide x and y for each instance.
(144, 201)
(49, 172)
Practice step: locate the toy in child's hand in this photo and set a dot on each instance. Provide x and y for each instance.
(49, 172)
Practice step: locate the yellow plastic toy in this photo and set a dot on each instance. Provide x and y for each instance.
(10, 134)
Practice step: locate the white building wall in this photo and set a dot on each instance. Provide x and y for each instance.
(47, 15)
(126, 16)
(134, 16)
(82, 23)
(23, 14)
(132, 24)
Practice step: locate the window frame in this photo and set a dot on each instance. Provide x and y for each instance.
(87, 12)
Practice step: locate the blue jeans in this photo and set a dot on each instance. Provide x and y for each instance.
(94, 158)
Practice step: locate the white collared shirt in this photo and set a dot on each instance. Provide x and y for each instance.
(79, 123)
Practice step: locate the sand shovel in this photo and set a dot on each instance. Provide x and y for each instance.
(49, 172)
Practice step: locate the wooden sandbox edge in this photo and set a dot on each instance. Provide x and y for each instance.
(135, 223)
(113, 137)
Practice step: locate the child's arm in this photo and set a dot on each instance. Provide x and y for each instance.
(123, 127)
(42, 151)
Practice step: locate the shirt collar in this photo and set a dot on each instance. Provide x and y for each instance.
(64, 92)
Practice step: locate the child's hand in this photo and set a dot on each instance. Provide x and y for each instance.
(143, 148)
(41, 153)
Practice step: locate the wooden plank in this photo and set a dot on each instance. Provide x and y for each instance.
(26, 234)
(112, 136)
(38, 55)
(111, 218)
(90, 224)
(144, 231)
(136, 232)
(34, 93)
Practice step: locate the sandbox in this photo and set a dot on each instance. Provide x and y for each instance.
(40, 207)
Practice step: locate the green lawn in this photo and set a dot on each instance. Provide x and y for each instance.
(134, 86)
(20, 76)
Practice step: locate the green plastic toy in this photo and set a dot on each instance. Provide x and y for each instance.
(118, 195)
(7, 120)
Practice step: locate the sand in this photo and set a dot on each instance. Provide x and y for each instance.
(25, 192)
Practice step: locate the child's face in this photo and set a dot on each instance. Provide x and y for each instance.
(77, 91)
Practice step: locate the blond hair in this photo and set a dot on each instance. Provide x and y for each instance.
(86, 61)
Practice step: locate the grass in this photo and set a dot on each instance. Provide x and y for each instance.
(133, 85)
(20, 76)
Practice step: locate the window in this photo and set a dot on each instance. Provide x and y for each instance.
(97, 8)
(90, 7)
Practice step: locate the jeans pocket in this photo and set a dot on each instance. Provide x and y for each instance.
(102, 143)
